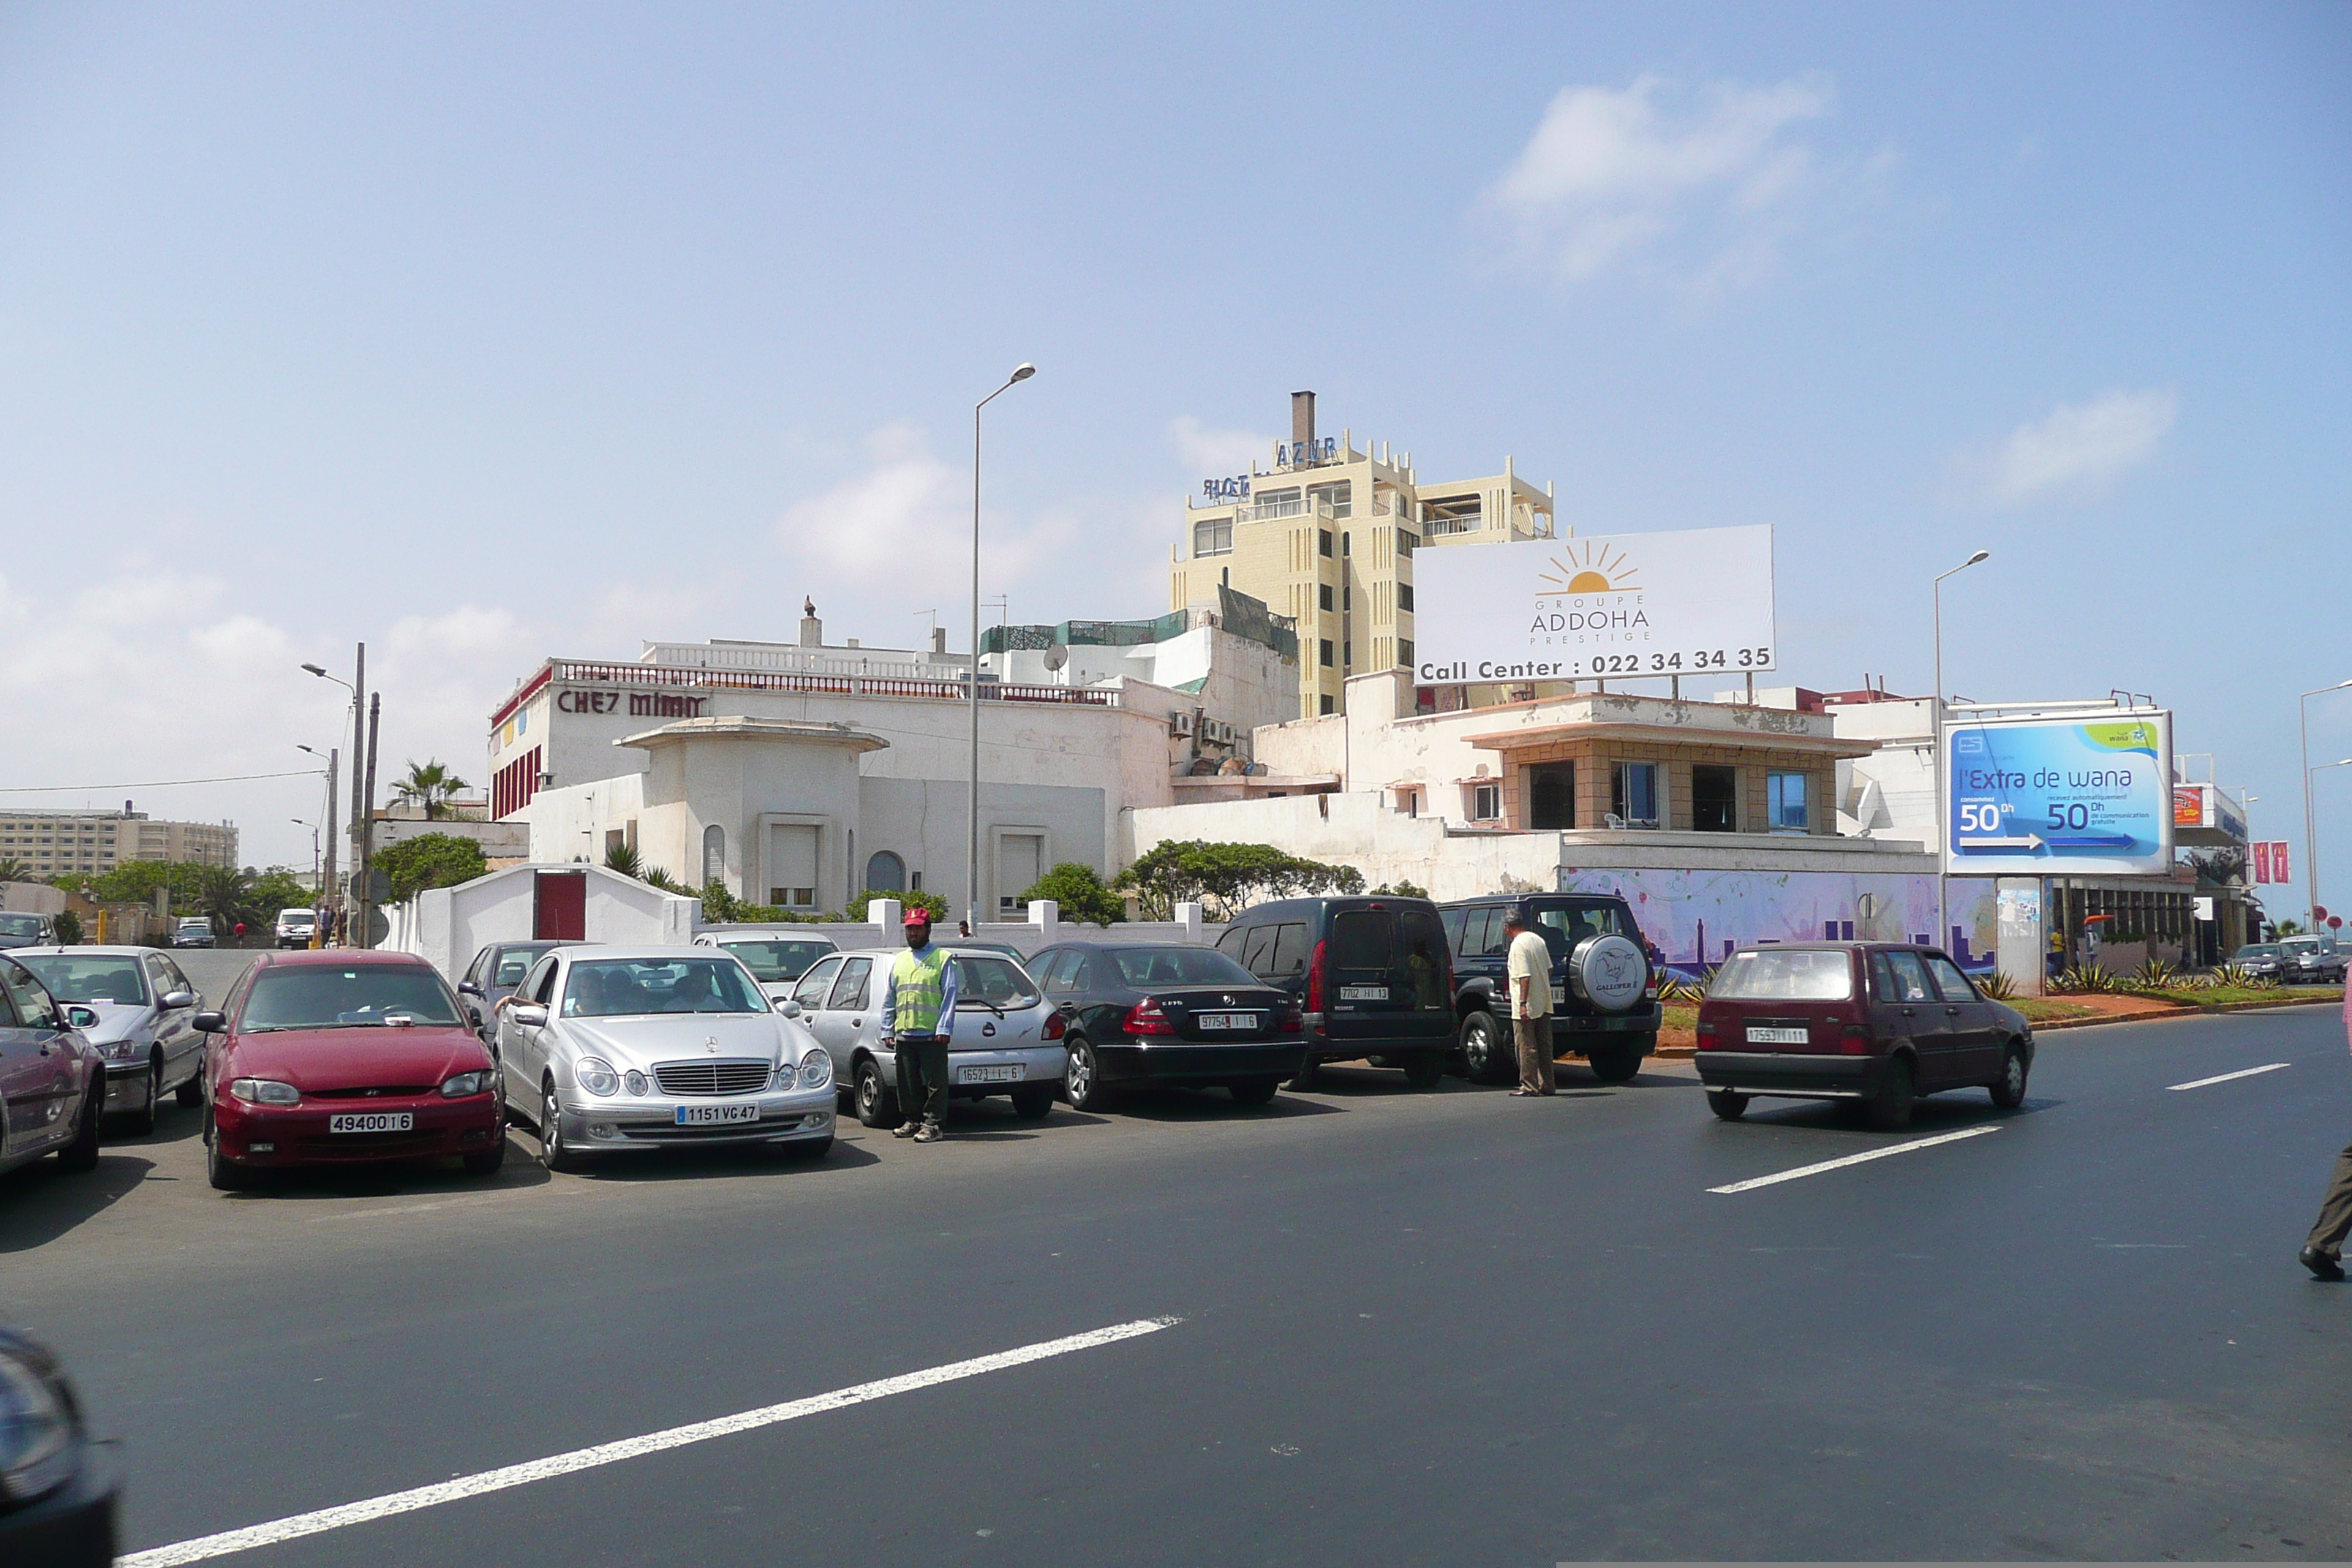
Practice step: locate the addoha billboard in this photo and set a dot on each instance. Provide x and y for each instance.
(2051, 797)
(1695, 601)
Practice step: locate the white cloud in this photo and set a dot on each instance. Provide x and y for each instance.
(1615, 175)
(1214, 454)
(2080, 449)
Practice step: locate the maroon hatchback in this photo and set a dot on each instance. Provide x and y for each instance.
(1873, 1025)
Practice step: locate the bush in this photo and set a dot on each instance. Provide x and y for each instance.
(855, 909)
(1998, 986)
(2087, 978)
(1399, 889)
(68, 926)
(429, 861)
(1081, 893)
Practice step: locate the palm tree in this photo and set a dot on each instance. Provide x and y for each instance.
(225, 893)
(431, 786)
(14, 870)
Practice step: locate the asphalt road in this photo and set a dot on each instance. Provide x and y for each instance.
(1441, 1328)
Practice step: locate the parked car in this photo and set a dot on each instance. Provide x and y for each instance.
(146, 1022)
(610, 1051)
(1873, 1024)
(1156, 1013)
(1006, 1039)
(343, 1057)
(1604, 990)
(296, 927)
(2311, 960)
(2262, 960)
(1372, 977)
(18, 929)
(775, 954)
(491, 980)
(194, 931)
(52, 1080)
(58, 1487)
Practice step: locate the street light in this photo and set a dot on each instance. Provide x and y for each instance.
(2310, 838)
(1943, 805)
(1020, 373)
(314, 843)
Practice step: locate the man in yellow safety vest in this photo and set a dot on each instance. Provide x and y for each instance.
(917, 1013)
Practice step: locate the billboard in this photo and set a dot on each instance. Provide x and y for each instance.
(1698, 601)
(2203, 807)
(2055, 796)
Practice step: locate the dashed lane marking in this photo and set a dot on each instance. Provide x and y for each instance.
(2224, 1078)
(1865, 1157)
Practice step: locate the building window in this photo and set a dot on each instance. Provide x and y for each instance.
(1406, 542)
(1339, 496)
(1348, 654)
(1633, 795)
(1404, 652)
(1715, 795)
(1784, 803)
(1213, 536)
(714, 854)
(1327, 701)
(1551, 795)
(1323, 541)
(1485, 802)
(1345, 541)
(1404, 595)
(1323, 595)
(886, 873)
(1324, 645)
(1347, 597)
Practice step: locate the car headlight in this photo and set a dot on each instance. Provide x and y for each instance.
(122, 1051)
(38, 1425)
(597, 1076)
(816, 1072)
(264, 1091)
(634, 1081)
(467, 1083)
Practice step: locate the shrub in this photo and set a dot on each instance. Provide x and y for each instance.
(855, 909)
(2087, 978)
(429, 861)
(1998, 986)
(68, 927)
(1401, 888)
(1080, 891)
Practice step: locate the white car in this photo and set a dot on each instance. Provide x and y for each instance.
(610, 1051)
(296, 927)
(145, 1028)
(1005, 1039)
(775, 954)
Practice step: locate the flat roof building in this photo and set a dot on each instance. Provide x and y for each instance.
(59, 843)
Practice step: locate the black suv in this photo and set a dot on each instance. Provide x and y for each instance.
(1370, 976)
(1597, 1007)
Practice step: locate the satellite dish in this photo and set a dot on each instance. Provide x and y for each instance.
(1056, 656)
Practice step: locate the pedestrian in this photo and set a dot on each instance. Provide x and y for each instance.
(917, 1014)
(963, 930)
(2323, 1250)
(1529, 972)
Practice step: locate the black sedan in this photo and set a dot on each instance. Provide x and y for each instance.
(57, 1488)
(1162, 1014)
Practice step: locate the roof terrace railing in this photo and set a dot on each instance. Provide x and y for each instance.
(578, 671)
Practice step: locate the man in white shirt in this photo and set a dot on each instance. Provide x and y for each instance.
(1528, 974)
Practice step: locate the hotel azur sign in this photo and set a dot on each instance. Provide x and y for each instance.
(1695, 602)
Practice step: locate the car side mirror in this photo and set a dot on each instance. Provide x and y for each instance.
(81, 1018)
(789, 1008)
(474, 1016)
(467, 988)
(212, 1022)
(527, 1015)
(172, 1000)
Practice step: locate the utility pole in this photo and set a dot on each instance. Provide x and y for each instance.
(323, 927)
(359, 758)
(364, 907)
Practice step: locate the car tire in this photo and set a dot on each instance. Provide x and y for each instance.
(1485, 1058)
(191, 1094)
(1424, 1070)
(2009, 1091)
(1081, 1081)
(224, 1175)
(1033, 1102)
(1613, 1064)
(876, 1102)
(1890, 1108)
(1252, 1091)
(1728, 1104)
(486, 1161)
(141, 1121)
(554, 1151)
(82, 1155)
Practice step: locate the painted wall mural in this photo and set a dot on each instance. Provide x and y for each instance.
(1697, 918)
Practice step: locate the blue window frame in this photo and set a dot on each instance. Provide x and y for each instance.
(1784, 803)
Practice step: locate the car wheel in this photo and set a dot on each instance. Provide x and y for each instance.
(486, 1161)
(1252, 1091)
(82, 1155)
(141, 1121)
(1891, 1107)
(1613, 1064)
(554, 1151)
(224, 1175)
(1033, 1102)
(1083, 1078)
(1483, 1059)
(1426, 1069)
(877, 1105)
(1728, 1104)
(191, 1094)
(2009, 1092)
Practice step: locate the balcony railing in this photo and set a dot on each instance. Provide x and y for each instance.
(671, 678)
(1435, 527)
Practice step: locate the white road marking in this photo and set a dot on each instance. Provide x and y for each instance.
(1752, 1184)
(2224, 1078)
(319, 1520)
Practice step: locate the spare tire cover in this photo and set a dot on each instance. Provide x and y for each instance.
(1608, 972)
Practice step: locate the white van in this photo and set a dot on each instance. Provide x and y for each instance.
(296, 926)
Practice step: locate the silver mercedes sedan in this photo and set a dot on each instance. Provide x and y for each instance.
(146, 1023)
(610, 1050)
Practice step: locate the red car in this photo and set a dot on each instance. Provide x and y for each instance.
(340, 1058)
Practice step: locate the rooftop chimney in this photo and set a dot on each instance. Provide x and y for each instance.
(1302, 416)
(939, 639)
(812, 632)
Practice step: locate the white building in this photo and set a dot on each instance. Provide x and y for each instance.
(57, 842)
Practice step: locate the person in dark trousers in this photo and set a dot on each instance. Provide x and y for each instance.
(2323, 1250)
(919, 1012)
(1528, 966)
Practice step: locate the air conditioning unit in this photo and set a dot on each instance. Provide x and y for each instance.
(1218, 731)
(1179, 723)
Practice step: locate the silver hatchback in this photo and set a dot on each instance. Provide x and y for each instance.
(1005, 1039)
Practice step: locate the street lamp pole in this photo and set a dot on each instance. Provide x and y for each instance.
(971, 800)
(2310, 838)
(314, 846)
(1943, 781)
(359, 753)
(2312, 846)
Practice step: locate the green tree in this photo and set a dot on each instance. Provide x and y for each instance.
(279, 889)
(14, 870)
(135, 881)
(1401, 888)
(429, 785)
(1226, 878)
(2289, 928)
(1080, 891)
(429, 861)
(856, 910)
(225, 894)
(68, 928)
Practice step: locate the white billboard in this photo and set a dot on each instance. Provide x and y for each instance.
(2051, 795)
(1697, 601)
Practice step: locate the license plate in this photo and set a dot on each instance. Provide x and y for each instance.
(1226, 1020)
(1757, 1037)
(717, 1115)
(1009, 1073)
(372, 1121)
(1363, 993)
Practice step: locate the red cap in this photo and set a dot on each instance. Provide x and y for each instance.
(918, 917)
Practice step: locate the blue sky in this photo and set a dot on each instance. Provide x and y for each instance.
(485, 333)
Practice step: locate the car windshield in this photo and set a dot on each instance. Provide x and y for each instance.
(333, 997)
(93, 979)
(1762, 974)
(20, 925)
(2259, 950)
(2300, 944)
(626, 987)
(777, 961)
(1180, 966)
(298, 917)
(983, 980)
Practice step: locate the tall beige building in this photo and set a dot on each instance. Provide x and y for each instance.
(52, 843)
(1326, 535)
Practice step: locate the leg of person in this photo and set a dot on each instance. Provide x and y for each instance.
(935, 1086)
(911, 1090)
(1529, 1036)
(1546, 1056)
(2324, 1245)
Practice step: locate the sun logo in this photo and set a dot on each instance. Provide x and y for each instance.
(1592, 571)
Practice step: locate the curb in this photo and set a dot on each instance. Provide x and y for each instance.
(2173, 1012)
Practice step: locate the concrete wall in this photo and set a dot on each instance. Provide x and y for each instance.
(448, 925)
(32, 898)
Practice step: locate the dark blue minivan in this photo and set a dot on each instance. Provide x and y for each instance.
(1371, 976)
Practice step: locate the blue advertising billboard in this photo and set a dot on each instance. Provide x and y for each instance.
(2053, 796)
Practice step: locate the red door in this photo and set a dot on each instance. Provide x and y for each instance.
(561, 907)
